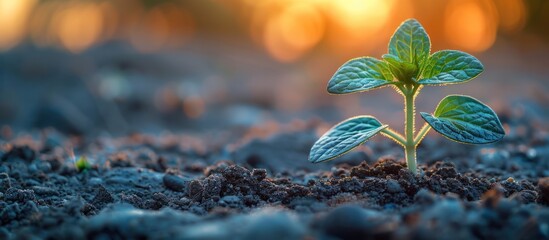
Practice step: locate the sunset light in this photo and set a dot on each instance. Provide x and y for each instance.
(13, 18)
(79, 25)
(296, 29)
(274, 119)
(471, 25)
(286, 30)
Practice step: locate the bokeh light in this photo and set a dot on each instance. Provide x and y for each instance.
(286, 30)
(13, 18)
(296, 29)
(356, 22)
(512, 15)
(471, 25)
(79, 25)
(41, 30)
(162, 26)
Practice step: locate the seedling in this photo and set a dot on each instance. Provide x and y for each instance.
(82, 164)
(407, 68)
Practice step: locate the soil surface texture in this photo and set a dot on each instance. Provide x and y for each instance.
(212, 142)
(260, 186)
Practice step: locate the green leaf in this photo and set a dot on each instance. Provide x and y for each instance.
(465, 119)
(360, 74)
(410, 43)
(403, 71)
(392, 60)
(344, 137)
(450, 66)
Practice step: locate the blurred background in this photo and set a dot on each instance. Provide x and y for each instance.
(123, 66)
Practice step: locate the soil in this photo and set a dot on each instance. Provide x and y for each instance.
(240, 170)
(142, 187)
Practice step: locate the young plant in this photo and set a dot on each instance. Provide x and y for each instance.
(408, 67)
(82, 164)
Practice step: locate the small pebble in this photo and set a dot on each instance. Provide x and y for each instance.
(33, 169)
(195, 190)
(175, 183)
(393, 186)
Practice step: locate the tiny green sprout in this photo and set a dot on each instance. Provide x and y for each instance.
(82, 164)
(408, 67)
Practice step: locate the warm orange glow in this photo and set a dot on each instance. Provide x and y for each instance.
(111, 18)
(41, 29)
(182, 24)
(357, 23)
(471, 25)
(512, 14)
(287, 30)
(13, 20)
(290, 29)
(297, 29)
(360, 16)
(261, 12)
(152, 32)
(79, 25)
(163, 26)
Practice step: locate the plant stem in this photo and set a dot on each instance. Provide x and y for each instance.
(395, 136)
(410, 146)
(421, 133)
